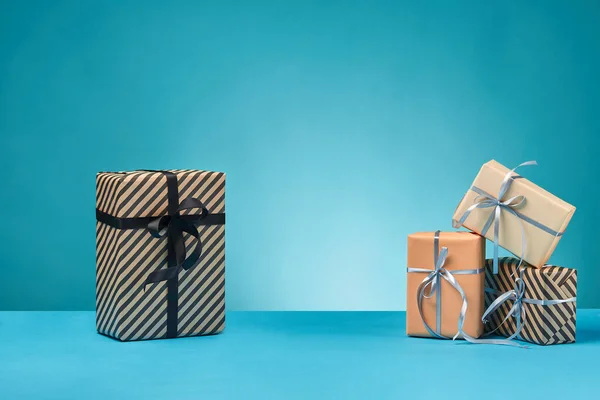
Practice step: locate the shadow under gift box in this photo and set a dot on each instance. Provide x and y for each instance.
(541, 324)
(466, 251)
(126, 307)
(540, 206)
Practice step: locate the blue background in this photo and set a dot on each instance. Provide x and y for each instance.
(343, 127)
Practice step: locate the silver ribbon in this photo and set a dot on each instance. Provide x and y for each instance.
(517, 310)
(433, 282)
(486, 200)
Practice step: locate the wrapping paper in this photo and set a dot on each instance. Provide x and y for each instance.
(127, 307)
(466, 251)
(541, 324)
(539, 205)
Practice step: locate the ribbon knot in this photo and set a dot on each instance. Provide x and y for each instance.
(486, 201)
(519, 290)
(173, 225)
(433, 280)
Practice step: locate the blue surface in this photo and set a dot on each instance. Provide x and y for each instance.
(343, 127)
(352, 355)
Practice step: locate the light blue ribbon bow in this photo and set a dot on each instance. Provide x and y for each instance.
(516, 295)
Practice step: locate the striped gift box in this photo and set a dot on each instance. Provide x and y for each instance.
(541, 324)
(127, 306)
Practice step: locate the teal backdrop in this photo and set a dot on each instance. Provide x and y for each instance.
(343, 126)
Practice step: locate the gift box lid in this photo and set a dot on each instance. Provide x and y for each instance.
(140, 193)
(466, 250)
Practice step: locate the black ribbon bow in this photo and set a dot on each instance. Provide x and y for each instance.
(173, 226)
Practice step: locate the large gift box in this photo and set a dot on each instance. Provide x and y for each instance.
(514, 212)
(160, 253)
(533, 304)
(445, 277)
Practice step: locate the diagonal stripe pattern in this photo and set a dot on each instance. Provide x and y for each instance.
(545, 325)
(127, 310)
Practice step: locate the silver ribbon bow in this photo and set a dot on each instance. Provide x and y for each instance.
(486, 200)
(516, 295)
(433, 282)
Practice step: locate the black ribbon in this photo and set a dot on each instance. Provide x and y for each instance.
(172, 225)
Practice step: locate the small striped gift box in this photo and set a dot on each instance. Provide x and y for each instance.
(548, 301)
(160, 254)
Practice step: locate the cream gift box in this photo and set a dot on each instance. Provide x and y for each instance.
(531, 220)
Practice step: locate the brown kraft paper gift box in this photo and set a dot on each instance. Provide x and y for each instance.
(540, 207)
(541, 324)
(144, 288)
(466, 251)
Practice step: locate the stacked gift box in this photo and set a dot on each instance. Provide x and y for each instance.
(454, 292)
